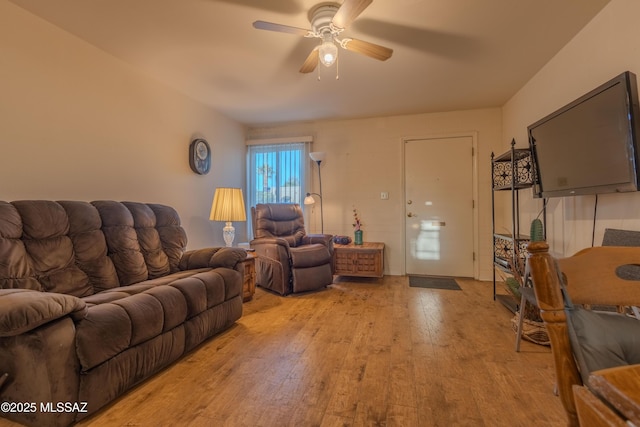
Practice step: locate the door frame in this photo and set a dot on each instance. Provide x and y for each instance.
(474, 174)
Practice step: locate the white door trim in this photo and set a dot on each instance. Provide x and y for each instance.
(474, 144)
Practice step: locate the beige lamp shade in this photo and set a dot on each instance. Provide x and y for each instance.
(228, 205)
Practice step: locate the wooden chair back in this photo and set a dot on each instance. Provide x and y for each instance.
(591, 277)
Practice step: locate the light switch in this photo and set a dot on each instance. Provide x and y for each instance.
(384, 196)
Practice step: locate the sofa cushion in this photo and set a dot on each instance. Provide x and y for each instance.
(45, 228)
(122, 241)
(172, 235)
(282, 220)
(146, 315)
(173, 305)
(80, 248)
(144, 222)
(103, 333)
(111, 328)
(212, 258)
(206, 289)
(144, 241)
(130, 315)
(310, 256)
(104, 297)
(15, 269)
(89, 245)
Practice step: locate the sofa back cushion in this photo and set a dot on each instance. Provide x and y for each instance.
(80, 248)
(172, 236)
(144, 223)
(49, 250)
(90, 246)
(134, 243)
(16, 269)
(122, 241)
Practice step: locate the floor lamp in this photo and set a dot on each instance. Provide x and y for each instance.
(318, 157)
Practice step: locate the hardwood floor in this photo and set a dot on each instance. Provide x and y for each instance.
(363, 352)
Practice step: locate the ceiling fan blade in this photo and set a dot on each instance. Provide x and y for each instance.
(270, 26)
(289, 7)
(311, 62)
(371, 50)
(349, 11)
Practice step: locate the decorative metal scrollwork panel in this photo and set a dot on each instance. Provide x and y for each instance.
(503, 249)
(501, 175)
(524, 174)
(524, 170)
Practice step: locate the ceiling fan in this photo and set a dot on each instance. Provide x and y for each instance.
(328, 20)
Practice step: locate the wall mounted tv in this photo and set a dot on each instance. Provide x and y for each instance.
(589, 146)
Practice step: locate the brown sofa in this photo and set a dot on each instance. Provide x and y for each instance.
(96, 297)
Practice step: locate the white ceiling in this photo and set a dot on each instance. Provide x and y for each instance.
(448, 54)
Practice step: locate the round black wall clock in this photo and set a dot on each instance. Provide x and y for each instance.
(200, 156)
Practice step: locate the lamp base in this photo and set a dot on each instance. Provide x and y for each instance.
(228, 234)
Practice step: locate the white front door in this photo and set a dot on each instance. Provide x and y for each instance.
(439, 206)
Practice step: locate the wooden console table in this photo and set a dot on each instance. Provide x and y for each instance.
(249, 284)
(366, 260)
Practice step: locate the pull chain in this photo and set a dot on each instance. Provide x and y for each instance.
(337, 69)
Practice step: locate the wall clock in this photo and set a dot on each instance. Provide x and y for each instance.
(200, 156)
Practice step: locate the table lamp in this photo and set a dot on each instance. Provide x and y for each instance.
(228, 206)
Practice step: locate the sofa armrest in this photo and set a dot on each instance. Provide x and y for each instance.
(41, 366)
(271, 247)
(269, 241)
(325, 239)
(212, 258)
(273, 266)
(22, 310)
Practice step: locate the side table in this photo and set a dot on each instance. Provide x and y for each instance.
(366, 260)
(249, 284)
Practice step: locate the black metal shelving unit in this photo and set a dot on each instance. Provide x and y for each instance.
(511, 171)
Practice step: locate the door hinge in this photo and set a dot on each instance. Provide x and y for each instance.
(473, 204)
(474, 256)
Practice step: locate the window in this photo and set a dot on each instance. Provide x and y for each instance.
(277, 173)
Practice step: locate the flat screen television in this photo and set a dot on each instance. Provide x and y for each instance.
(589, 146)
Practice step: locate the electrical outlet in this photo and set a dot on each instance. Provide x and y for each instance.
(384, 196)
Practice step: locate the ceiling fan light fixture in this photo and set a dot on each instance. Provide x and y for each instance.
(328, 20)
(328, 52)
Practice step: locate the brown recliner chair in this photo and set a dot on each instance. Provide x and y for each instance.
(289, 260)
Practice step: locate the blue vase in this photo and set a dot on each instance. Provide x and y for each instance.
(358, 237)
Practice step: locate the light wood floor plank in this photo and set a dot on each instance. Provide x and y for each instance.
(360, 353)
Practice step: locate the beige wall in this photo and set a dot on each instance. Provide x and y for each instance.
(606, 47)
(364, 158)
(78, 124)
